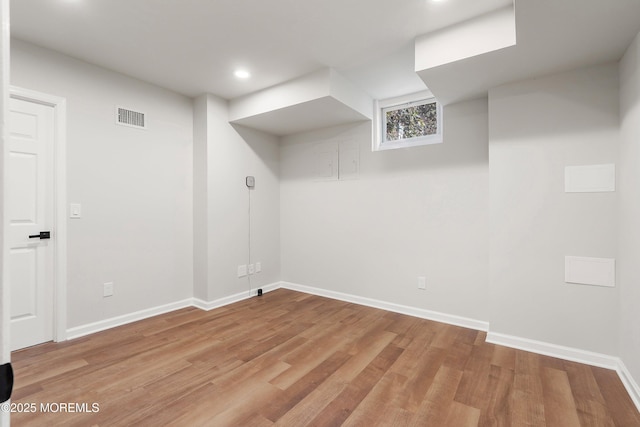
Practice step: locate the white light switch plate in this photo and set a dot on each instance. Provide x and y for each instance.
(258, 267)
(75, 210)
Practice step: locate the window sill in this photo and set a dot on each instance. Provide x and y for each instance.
(408, 143)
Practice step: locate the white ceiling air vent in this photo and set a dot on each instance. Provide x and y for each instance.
(126, 117)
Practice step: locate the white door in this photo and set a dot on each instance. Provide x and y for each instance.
(30, 201)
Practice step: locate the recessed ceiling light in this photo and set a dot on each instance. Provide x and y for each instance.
(242, 74)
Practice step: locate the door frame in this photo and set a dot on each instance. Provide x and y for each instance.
(59, 151)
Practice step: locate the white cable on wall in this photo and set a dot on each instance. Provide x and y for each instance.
(250, 182)
(249, 233)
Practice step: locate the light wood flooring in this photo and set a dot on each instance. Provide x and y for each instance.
(292, 359)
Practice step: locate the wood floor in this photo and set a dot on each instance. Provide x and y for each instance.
(291, 359)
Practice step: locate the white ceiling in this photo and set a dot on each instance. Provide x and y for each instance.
(193, 46)
(552, 36)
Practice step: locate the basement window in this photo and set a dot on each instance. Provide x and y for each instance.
(407, 121)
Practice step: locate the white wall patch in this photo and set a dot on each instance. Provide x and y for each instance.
(590, 178)
(590, 271)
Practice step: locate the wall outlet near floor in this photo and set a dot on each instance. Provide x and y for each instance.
(107, 289)
(422, 282)
(251, 269)
(242, 270)
(258, 267)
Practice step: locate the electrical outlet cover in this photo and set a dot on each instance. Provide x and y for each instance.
(107, 289)
(242, 270)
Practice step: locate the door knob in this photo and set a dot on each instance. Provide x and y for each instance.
(42, 235)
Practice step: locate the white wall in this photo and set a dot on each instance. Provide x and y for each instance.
(629, 184)
(135, 186)
(536, 128)
(412, 212)
(232, 153)
(200, 200)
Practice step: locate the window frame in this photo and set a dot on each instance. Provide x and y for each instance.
(381, 107)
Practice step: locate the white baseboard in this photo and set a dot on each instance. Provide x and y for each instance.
(102, 325)
(80, 331)
(396, 308)
(268, 288)
(629, 383)
(221, 302)
(554, 350)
